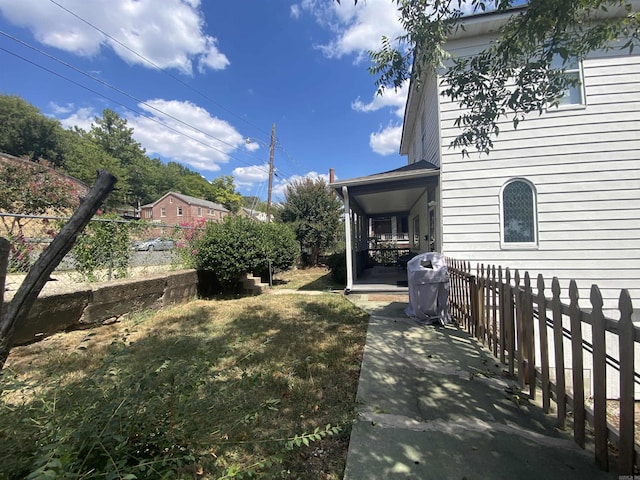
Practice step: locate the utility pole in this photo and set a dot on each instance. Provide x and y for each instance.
(273, 144)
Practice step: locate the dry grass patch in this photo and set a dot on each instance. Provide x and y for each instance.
(212, 389)
(312, 278)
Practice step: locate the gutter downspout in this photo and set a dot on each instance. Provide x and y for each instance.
(348, 243)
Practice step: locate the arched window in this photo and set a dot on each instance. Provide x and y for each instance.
(519, 224)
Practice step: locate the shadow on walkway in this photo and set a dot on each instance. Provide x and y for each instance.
(434, 404)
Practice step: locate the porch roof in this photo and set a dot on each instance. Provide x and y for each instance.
(389, 193)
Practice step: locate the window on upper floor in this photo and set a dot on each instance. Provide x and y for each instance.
(519, 214)
(163, 211)
(179, 211)
(574, 94)
(199, 211)
(148, 213)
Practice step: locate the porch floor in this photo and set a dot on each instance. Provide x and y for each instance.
(381, 279)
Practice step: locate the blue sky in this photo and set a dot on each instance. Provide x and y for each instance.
(224, 71)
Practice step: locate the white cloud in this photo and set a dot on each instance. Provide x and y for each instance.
(171, 37)
(249, 176)
(294, 11)
(81, 118)
(357, 28)
(202, 149)
(395, 99)
(386, 141)
(280, 186)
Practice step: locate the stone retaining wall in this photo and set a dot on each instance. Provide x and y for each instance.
(103, 303)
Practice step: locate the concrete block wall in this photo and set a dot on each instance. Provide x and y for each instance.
(104, 303)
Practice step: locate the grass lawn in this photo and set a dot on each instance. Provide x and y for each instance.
(236, 388)
(312, 278)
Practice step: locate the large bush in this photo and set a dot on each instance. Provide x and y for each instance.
(337, 263)
(281, 246)
(241, 245)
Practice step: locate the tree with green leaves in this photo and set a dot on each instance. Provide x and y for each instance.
(513, 76)
(314, 214)
(26, 132)
(224, 193)
(113, 135)
(83, 158)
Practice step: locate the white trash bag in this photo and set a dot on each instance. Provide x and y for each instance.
(428, 280)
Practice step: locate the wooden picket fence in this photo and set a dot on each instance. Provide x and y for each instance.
(515, 320)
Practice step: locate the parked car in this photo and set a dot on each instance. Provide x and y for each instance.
(156, 244)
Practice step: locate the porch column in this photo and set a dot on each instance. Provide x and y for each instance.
(348, 239)
(394, 228)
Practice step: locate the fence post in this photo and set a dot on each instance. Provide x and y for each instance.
(468, 297)
(510, 327)
(503, 309)
(544, 345)
(528, 340)
(558, 342)
(519, 330)
(494, 308)
(627, 407)
(599, 380)
(577, 365)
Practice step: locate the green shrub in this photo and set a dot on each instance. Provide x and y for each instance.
(103, 250)
(241, 245)
(337, 263)
(281, 246)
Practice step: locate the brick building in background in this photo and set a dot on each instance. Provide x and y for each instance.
(175, 208)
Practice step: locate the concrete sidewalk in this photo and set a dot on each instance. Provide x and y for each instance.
(433, 404)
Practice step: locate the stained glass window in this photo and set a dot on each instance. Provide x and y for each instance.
(518, 213)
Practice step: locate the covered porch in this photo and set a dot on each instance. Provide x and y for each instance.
(405, 201)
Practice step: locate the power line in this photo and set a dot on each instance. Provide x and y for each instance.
(157, 67)
(112, 87)
(162, 70)
(153, 119)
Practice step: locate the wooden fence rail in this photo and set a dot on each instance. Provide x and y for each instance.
(517, 324)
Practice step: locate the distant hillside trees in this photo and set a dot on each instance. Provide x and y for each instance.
(25, 132)
(109, 144)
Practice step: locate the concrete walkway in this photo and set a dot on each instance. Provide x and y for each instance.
(433, 404)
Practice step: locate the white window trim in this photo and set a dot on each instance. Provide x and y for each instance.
(179, 211)
(163, 212)
(519, 245)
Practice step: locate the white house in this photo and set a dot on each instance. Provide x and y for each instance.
(560, 195)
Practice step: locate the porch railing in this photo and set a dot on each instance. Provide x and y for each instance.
(386, 256)
(391, 237)
(517, 321)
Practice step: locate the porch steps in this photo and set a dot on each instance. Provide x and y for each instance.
(253, 285)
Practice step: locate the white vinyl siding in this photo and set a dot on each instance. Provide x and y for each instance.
(432, 119)
(585, 165)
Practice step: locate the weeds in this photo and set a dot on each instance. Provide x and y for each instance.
(213, 390)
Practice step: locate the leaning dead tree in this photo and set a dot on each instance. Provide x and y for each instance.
(38, 275)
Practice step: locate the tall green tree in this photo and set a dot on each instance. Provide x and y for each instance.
(26, 132)
(224, 192)
(83, 158)
(513, 76)
(314, 212)
(113, 135)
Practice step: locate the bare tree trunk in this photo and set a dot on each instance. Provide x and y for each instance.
(49, 260)
(4, 264)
